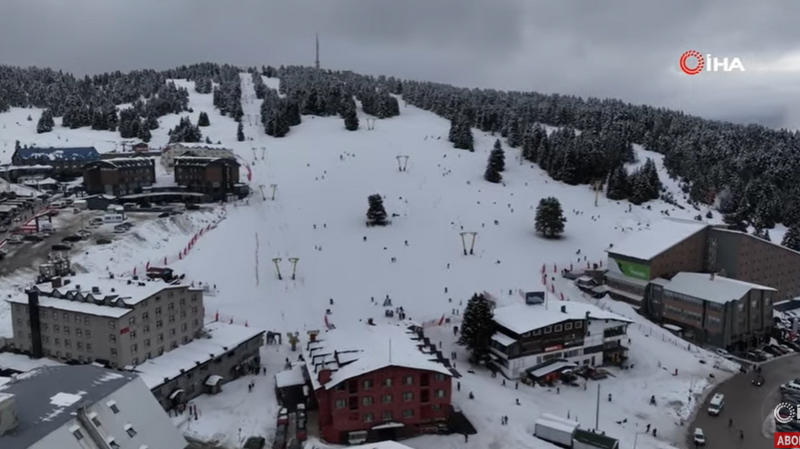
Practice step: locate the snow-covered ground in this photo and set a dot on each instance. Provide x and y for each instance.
(323, 175)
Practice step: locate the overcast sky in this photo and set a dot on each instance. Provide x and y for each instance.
(621, 49)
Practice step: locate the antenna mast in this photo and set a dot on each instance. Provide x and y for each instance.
(317, 62)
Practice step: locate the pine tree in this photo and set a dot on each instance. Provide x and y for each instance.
(46, 122)
(351, 119)
(791, 239)
(376, 213)
(203, 120)
(497, 157)
(550, 218)
(240, 132)
(617, 188)
(515, 134)
(492, 174)
(477, 328)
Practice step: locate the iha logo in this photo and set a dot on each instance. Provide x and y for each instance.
(785, 413)
(715, 64)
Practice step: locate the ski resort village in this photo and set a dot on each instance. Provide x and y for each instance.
(224, 257)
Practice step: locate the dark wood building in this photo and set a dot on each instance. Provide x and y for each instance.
(66, 162)
(119, 176)
(216, 177)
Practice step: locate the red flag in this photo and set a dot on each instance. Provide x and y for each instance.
(147, 267)
(165, 260)
(441, 320)
(134, 271)
(208, 228)
(216, 316)
(544, 279)
(562, 296)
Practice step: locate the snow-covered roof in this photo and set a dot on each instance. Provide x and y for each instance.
(84, 291)
(222, 338)
(291, 377)
(356, 351)
(560, 425)
(719, 289)
(23, 363)
(521, 318)
(59, 154)
(657, 238)
(199, 146)
(503, 339)
(381, 445)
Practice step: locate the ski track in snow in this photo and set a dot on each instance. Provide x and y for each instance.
(323, 175)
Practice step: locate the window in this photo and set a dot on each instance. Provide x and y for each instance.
(77, 319)
(194, 310)
(66, 317)
(133, 334)
(408, 380)
(66, 330)
(386, 399)
(145, 316)
(184, 327)
(147, 343)
(340, 403)
(387, 415)
(172, 332)
(368, 384)
(408, 396)
(568, 327)
(368, 417)
(537, 332)
(57, 341)
(438, 377)
(159, 324)
(56, 327)
(146, 329)
(160, 338)
(112, 338)
(387, 382)
(134, 348)
(88, 347)
(86, 321)
(55, 314)
(78, 434)
(112, 324)
(113, 352)
(439, 393)
(80, 345)
(158, 311)
(578, 324)
(67, 343)
(95, 421)
(113, 444)
(171, 306)
(548, 329)
(132, 320)
(171, 318)
(182, 301)
(408, 413)
(558, 328)
(88, 333)
(113, 406)
(366, 400)
(130, 430)
(183, 314)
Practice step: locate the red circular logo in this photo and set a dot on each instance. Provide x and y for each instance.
(701, 62)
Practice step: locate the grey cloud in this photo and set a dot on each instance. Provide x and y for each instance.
(626, 49)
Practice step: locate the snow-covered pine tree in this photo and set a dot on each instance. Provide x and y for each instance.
(495, 161)
(351, 119)
(203, 120)
(497, 158)
(550, 218)
(376, 213)
(617, 188)
(477, 328)
(791, 239)
(515, 133)
(240, 132)
(46, 122)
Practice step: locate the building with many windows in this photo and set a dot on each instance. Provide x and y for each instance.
(376, 383)
(712, 309)
(218, 178)
(197, 149)
(116, 322)
(83, 407)
(117, 177)
(66, 162)
(528, 336)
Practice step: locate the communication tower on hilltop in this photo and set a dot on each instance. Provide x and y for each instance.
(317, 62)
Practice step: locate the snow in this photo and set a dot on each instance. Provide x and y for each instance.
(223, 339)
(23, 363)
(291, 377)
(661, 236)
(127, 291)
(558, 425)
(719, 289)
(3, 381)
(64, 399)
(541, 372)
(323, 175)
(521, 318)
(360, 350)
(503, 339)
(377, 445)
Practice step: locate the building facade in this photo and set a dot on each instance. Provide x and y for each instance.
(66, 162)
(530, 335)
(714, 310)
(375, 384)
(83, 407)
(114, 322)
(194, 149)
(214, 177)
(119, 177)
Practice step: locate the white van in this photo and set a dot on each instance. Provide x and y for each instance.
(58, 205)
(113, 218)
(716, 404)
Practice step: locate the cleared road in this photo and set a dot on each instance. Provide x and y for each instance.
(749, 407)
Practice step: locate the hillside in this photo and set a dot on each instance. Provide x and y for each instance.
(323, 175)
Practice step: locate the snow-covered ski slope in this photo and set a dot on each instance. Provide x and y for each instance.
(323, 175)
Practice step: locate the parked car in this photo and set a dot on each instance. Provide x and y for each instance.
(772, 350)
(699, 437)
(84, 233)
(163, 215)
(283, 417)
(62, 247)
(32, 238)
(723, 353)
(102, 241)
(72, 238)
(120, 229)
(15, 239)
(758, 380)
(255, 443)
(4, 229)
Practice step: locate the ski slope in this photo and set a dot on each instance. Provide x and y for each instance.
(323, 175)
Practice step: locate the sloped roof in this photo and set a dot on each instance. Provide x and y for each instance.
(59, 154)
(719, 289)
(47, 398)
(200, 161)
(521, 318)
(353, 352)
(657, 238)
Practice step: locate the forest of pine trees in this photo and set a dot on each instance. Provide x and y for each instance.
(185, 131)
(748, 169)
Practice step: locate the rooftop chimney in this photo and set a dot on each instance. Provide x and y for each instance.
(95, 289)
(36, 325)
(8, 416)
(312, 336)
(324, 376)
(563, 309)
(56, 282)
